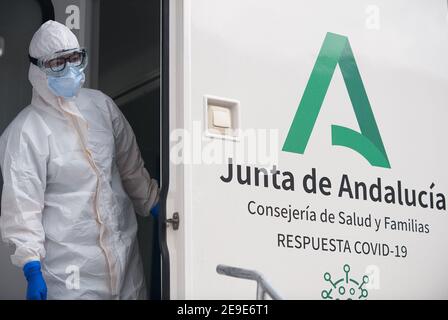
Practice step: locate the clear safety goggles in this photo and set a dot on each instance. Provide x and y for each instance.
(57, 64)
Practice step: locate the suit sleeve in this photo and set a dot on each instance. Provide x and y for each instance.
(24, 169)
(141, 188)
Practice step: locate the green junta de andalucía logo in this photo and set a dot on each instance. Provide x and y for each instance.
(335, 51)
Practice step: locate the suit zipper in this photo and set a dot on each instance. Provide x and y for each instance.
(96, 208)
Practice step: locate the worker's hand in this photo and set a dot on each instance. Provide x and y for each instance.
(155, 210)
(37, 289)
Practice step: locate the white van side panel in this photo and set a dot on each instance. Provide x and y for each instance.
(261, 53)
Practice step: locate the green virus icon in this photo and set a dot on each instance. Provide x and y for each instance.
(345, 288)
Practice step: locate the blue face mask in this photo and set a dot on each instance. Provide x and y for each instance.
(68, 85)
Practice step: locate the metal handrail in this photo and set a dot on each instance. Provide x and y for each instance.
(263, 286)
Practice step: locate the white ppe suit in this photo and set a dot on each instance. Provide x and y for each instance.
(73, 176)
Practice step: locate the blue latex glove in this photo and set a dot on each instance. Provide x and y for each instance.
(37, 289)
(155, 210)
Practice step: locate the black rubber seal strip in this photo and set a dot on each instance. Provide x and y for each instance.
(165, 143)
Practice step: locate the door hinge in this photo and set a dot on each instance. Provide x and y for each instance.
(174, 221)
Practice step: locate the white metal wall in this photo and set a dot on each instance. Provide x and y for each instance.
(261, 53)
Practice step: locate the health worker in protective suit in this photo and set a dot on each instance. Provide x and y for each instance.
(73, 180)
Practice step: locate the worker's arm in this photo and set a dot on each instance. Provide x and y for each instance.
(24, 169)
(143, 191)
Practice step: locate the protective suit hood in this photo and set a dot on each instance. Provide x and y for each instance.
(51, 37)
